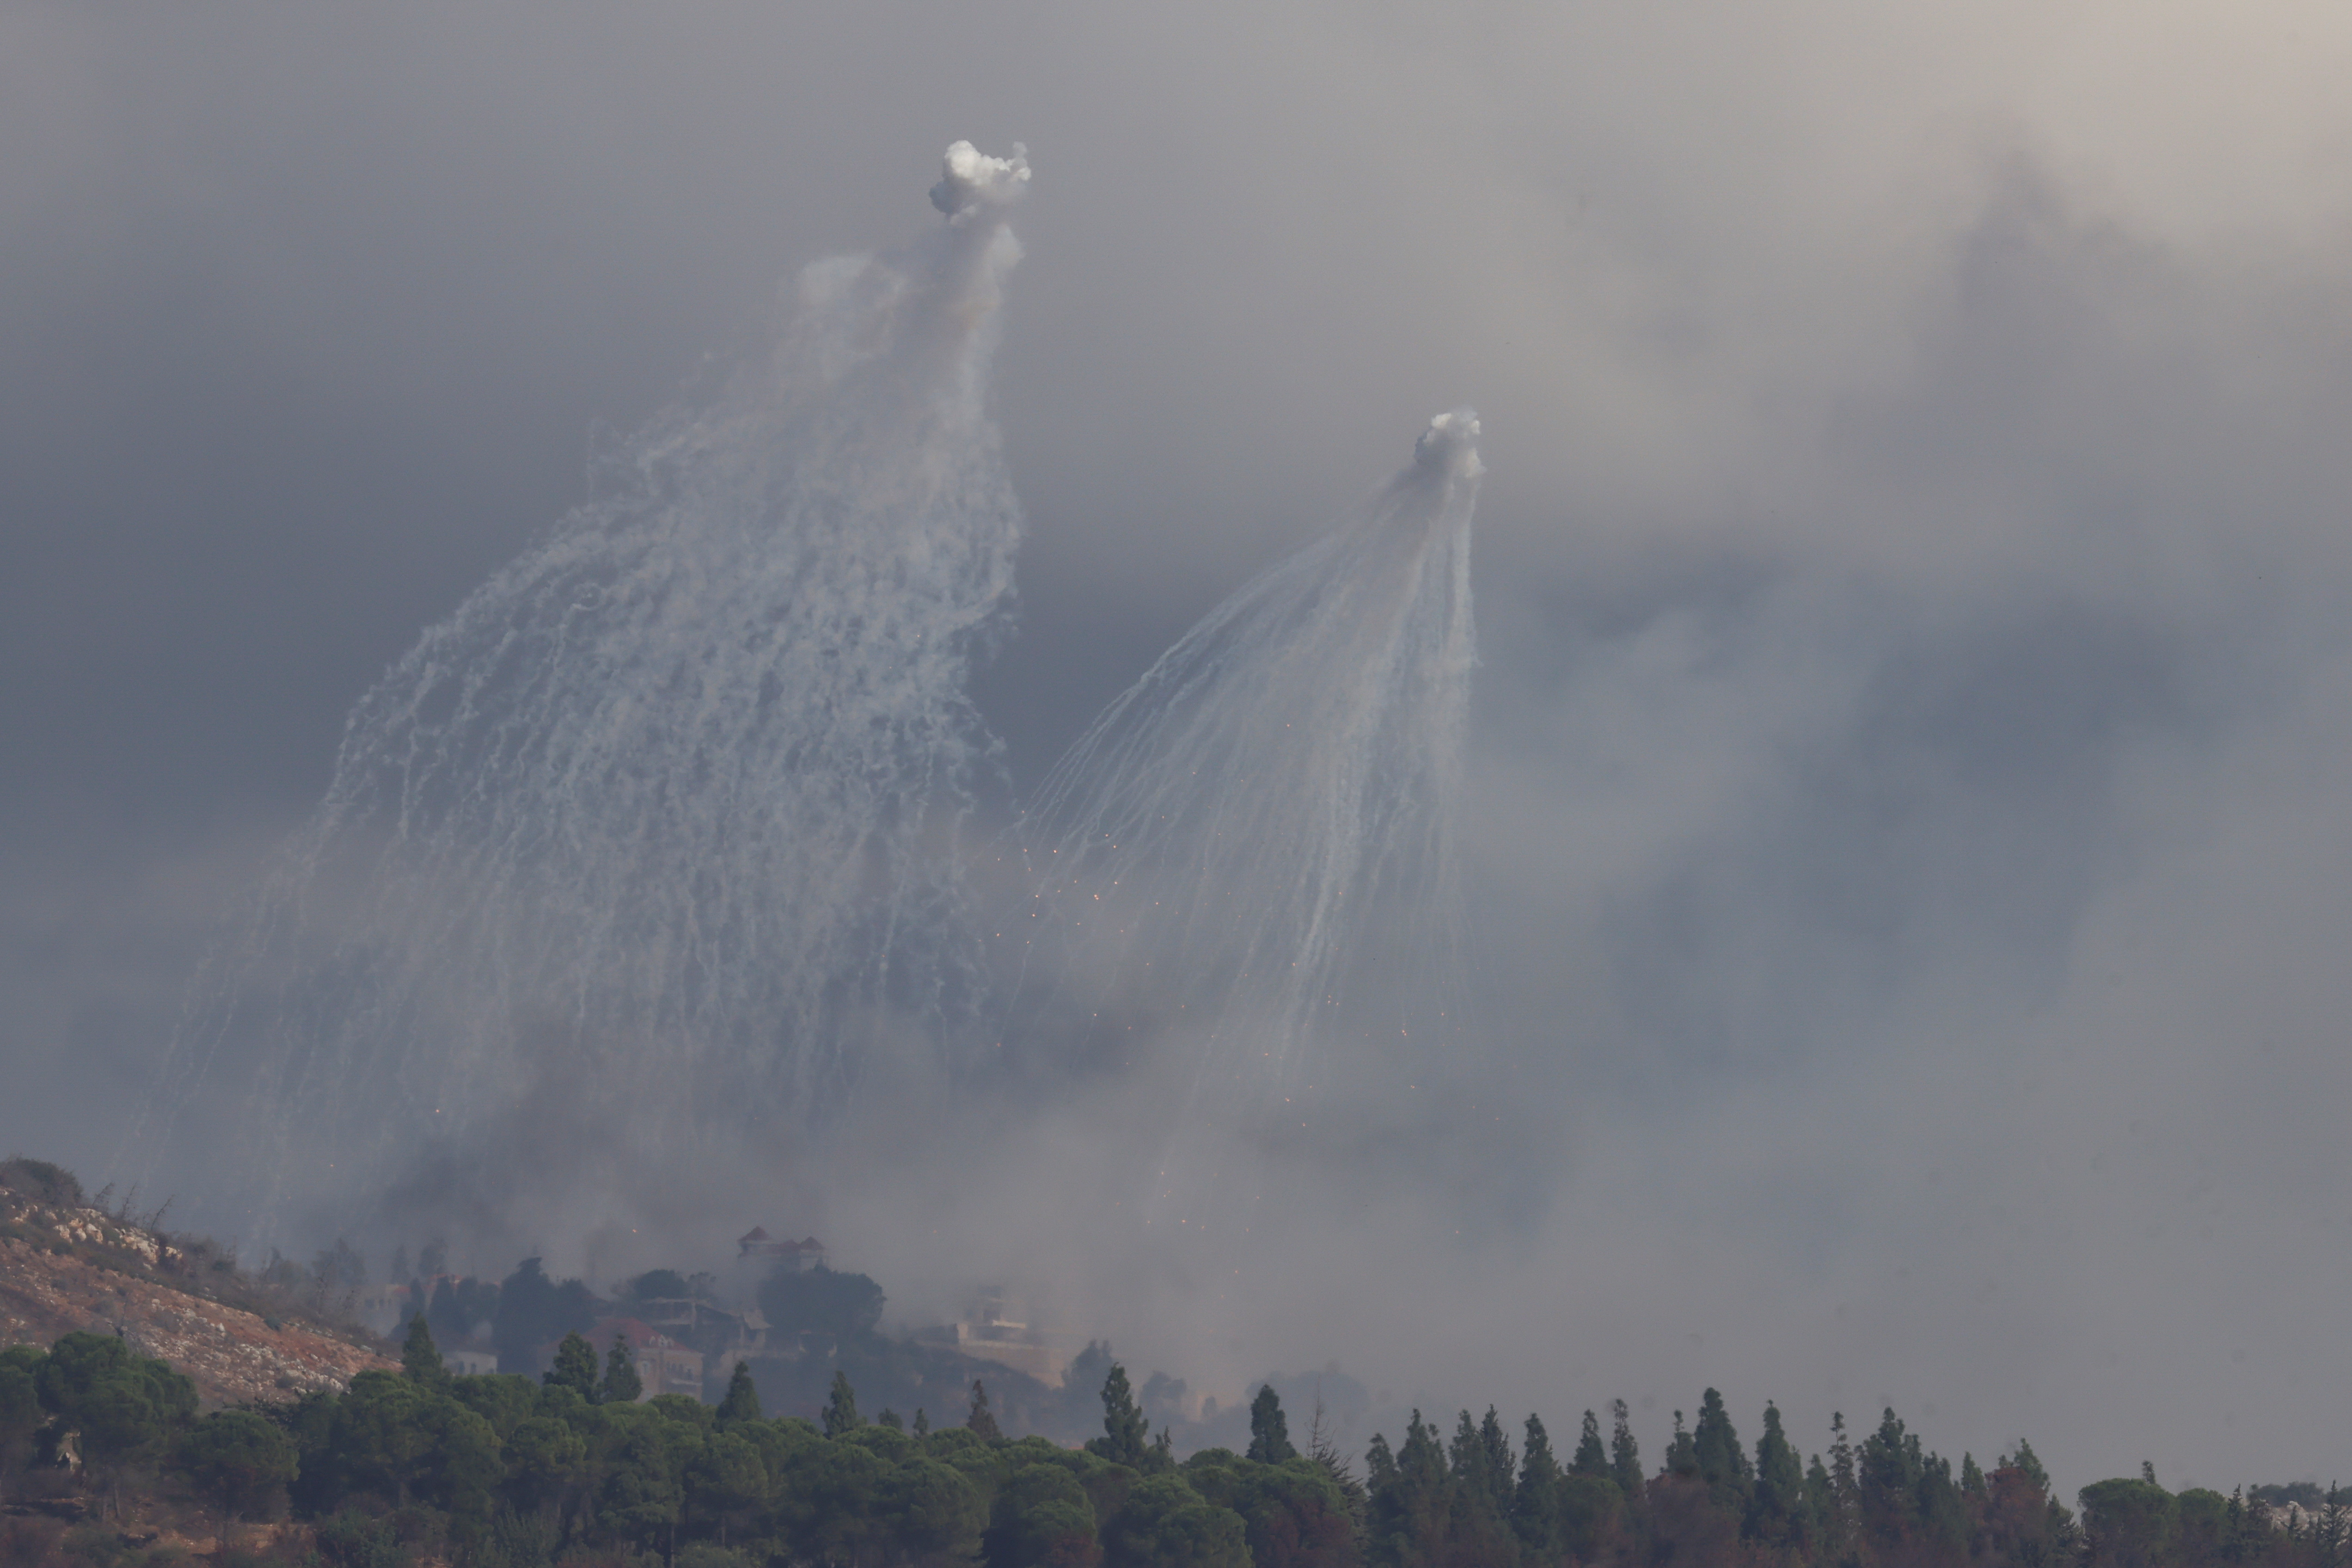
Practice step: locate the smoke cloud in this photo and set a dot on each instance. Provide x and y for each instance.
(1901, 848)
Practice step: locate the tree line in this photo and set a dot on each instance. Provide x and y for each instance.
(507, 1471)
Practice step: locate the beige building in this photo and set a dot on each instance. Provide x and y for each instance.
(664, 1366)
(996, 1327)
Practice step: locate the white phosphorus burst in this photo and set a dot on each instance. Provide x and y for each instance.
(1253, 847)
(669, 803)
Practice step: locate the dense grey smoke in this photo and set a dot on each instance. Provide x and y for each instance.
(1904, 865)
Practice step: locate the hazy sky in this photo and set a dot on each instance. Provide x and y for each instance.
(1916, 721)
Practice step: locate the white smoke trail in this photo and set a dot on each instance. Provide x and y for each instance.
(1251, 850)
(669, 803)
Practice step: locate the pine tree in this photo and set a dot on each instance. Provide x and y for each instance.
(1838, 1528)
(889, 1418)
(1125, 1435)
(1624, 1454)
(1327, 1458)
(1412, 1500)
(1821, 1499)
(622, 1385)
(922, 1423)
(1592, 1459)
(1722, 1464)
(1973, 1480)
(1888, 1470)
(1777, 1507)
(983, 1420)
(420, 1358)
(1499, 1462)
(1469, 1461)
(743, 1400)
(1535, 1503)
(1269, 1428)
(576, 1366)
(1682, 1454)
(1380, 1464)
(841, 1417)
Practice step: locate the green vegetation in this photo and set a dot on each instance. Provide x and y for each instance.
(502, 1472)
(574, 1466)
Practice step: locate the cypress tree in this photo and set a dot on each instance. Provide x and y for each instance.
(1498, 1462)
(1682, 1454)
(1592, 1459)
(622, 1385)
(922, 1423)
(1624, 1454)
(576, 1366)
(1269, 1428)
(1535, 1506)
(743, 1400)
(841, 1417)
(983, 1420)
(1844, 1514)
(1777, 1508)
(420, 1358)
(1125, 1435)
(1715, 1448)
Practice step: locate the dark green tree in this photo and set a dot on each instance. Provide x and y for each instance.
(742, 1399)
(1498, 1462)
(126, 1408)
(841, 1417)
(727, 1483)
(1778, 1508)
(1293, 1515)
(982, 1422)
(1888, 1468)
(21, 1416)
(574, 1368)
(922, 1427)
(1592, 1459)
(420, 1358)
(1126, 1436)
(2204, 1529)
(1840, 1522)
(1411, 1506)
(1269, 1428)
(821, 1300)
(1042, 1518)
(657, 1285)
(2129, 1523)
(240, 1461)
(1624, 1453)
(1722, 1464)
(532, 1310)
(934, 1514)
(1165, 1523)
(622, 1385)
(1682, 1452)
(1535, 1503)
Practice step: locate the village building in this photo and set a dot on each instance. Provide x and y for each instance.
(664, 1366)
(996, 1327)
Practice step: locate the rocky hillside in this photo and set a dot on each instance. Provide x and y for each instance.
(65, 1265)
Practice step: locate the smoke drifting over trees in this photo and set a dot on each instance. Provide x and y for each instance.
(1902, 854)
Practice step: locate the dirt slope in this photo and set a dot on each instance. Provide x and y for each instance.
(64, 1268)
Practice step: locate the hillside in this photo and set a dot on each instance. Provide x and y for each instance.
(66, 1264)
